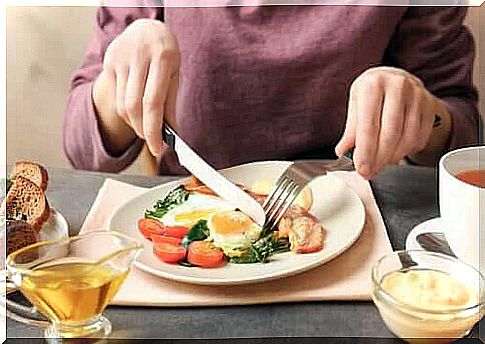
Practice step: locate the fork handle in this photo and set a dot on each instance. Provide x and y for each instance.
(350, 154)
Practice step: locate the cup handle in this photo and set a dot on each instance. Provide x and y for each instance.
(22, 314)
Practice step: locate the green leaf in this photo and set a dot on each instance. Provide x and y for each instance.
(261, 250)
(198, 232)
(174, 198)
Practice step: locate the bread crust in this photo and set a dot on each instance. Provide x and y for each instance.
(19, 235)
(27, 200)
(33, 171)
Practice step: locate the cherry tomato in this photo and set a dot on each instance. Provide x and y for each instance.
(159, 239)
(169, 253)
(175, 231)
(149, 227)
(203, 254)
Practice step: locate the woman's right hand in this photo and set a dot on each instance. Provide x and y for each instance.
(137, 89)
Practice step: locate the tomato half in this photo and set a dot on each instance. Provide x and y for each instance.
(203, 254)
(160, 239)
(175, 231)
(149, 227)
(169, 253)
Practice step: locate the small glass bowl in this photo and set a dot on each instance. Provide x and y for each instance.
(415, 324)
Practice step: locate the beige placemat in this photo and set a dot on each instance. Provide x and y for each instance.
(346, 277)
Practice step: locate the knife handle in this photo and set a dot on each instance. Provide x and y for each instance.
(169, 136)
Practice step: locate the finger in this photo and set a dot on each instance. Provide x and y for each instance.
(369, 100)
(392, 123)
(411, 128)
(135, 88)
(171, 102)
(121, 80)
(347, 142)
(153, 104)
(427, 120)
(108, 79)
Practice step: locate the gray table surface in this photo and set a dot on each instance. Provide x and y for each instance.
(406, 195)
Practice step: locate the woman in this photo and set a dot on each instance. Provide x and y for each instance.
(274, 82)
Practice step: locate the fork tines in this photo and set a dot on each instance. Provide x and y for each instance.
(284, 193)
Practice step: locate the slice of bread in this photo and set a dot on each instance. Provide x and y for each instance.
(32, 171)
(26, 201)
(19, 235)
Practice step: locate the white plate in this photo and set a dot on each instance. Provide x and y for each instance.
(335, 204)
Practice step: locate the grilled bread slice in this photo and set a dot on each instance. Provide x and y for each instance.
(19, 235)
(26, 201)
(32, 171)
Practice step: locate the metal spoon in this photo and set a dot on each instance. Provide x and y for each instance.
(435, 242)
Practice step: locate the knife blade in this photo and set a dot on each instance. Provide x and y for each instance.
(211, 178)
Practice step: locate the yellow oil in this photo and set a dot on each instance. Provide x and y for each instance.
(72, 293)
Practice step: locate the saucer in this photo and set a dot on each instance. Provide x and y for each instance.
(429, 226)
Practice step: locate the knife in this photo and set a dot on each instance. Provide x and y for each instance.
(211, 178)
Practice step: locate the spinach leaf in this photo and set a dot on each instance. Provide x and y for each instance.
(261, 250)
(198, 232)
(174, 198)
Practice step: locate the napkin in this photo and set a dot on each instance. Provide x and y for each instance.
(347, 277)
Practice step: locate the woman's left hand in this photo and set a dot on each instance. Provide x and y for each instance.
(390, 116)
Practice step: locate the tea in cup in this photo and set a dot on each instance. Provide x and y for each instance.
(70, 282)
(462, 203)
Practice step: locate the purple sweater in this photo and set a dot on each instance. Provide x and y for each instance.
(260, 83)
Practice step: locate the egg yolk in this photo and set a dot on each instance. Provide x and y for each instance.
(230, 222)
(194, 215)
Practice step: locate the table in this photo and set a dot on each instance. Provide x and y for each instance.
(406, 195)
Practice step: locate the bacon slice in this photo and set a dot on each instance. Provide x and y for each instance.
(303, 230)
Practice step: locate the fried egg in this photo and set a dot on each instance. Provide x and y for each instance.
(232, 231)
(196, 207)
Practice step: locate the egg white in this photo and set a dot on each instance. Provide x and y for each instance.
(195, 202)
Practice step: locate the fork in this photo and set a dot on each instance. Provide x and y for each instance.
(292, 182)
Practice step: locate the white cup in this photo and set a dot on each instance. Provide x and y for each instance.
(462, 206)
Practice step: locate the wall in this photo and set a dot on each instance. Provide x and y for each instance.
(44, 46)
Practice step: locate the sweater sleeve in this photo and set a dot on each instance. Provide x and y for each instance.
(433, 44)
(82, 140)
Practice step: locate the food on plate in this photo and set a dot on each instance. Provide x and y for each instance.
(194, 227)
(263, 187)
(159, 239)
(19, 235)
(25, 208)
(303, 230)
(169, 253)
(149, 227)
(232, 231)
(205, 255)
(32, 171)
